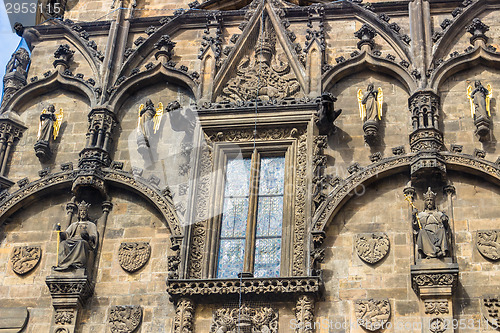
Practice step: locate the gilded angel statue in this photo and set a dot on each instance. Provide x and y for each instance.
(370, 110)
(479, 98)
(148, 122)
(48, 130)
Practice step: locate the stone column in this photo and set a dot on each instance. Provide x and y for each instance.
(10, 133)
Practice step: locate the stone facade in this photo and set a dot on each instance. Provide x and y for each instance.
(151, 100)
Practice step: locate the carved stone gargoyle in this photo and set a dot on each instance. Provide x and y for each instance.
(48, 130)
(370, 111)
(326, 114)
(479, 98)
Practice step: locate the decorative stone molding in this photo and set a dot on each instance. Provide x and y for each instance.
(372, 314)
(477, 30)
(431, 279)
(258, 319)
(64, 317)
(319, 165)
(25, 258)
(436, 307)
(365, 35)
(304, 314)
(124, 318)
(372, 247)
(488, 243)
(437, 325)
(184, 316)
(132, 256)
(490, 307)
(222, 289)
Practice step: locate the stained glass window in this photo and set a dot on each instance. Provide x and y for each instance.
(236, 216)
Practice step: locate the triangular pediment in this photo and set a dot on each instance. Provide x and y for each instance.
(262, 64)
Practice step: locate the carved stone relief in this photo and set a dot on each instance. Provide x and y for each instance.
(184, 316)
(488, 243)
(245, 319)
(372, 314)
(437, 325)
(304, 314)
(436, 307)
(64, 317)
(124, 318)
(490, 308)
(25, 258)
(134, 255)
(372, 247)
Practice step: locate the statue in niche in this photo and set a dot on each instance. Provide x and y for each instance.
(148, 124)
(48, 130)
(19, 62)
(479, 98)
(326, 114)
(432, 229)
(370, 110)
(78, 243)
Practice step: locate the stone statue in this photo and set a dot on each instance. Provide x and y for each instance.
(432, 229)
(19, 62)
(148, 123)
(48, 130)
(78, 242)
(326, 114)
(370, 110)
(479, 98)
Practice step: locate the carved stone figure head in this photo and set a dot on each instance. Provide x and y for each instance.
(51, 108)
(83, 211)
(370, 87)
(477, 84)
(430, 199)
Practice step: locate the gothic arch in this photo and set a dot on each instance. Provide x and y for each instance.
(159, 73)
(53, 82)
(63, 180)
(387, 167)
(368, 61)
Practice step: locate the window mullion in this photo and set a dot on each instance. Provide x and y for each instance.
(252, 215)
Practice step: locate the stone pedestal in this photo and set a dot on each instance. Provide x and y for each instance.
(435, 281)
(370, 127)
(69, 290)
(483, 125)
(42, 150)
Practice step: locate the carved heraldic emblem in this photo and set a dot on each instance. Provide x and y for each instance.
(245, 319)
(488, 243)
(25, 258)
(490, 307)
(372, 314)
(134, 255)
(372, 247)
(124, 319)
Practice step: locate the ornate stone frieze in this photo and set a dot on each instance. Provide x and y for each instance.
(372, 314)
(372, 247)
(64, 317)
(304, 314)
(432, 280)
(220, 289)
(75, 287)
(184, 316)
(490, 308)
(436, 307)
(132, 256)
(124, 318)
(25, 258)
(488, 243)
(469, 161)
(258, 319)
(319, 165)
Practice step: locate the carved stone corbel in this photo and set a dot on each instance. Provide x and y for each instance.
(165, 47)
(63, 56)
(365, 35)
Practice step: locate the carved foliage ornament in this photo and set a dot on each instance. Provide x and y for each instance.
(184, 316)
(488, 243)
(133, 256)
(436, 307)
(64, 317)
(372, 247)
(25, 258)
(490, 308)
(124, 319)
(245, 319)
(372, 314)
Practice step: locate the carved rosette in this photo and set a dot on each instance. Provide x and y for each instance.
(132, 256)
(25, 258)
(437, 325)
(488, 243)
(124, 318)
(249, 319)
(184, 316)
(490, 308)
(304, 314)
(372, 314)
(372, 247)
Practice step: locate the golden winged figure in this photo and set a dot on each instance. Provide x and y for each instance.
(479, 99)
(157, 117)
(370, 103)
(57, 124)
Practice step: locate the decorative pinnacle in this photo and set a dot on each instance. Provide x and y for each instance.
(366, 35)
(165, 47)
(63, 56)
(477, 30)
